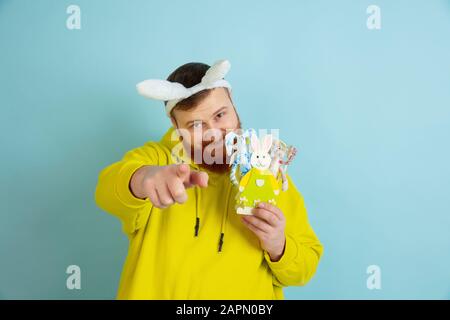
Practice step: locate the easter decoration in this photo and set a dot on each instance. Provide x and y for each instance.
(237, 149)
(257, 166)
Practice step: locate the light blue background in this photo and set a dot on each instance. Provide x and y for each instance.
(369, 111)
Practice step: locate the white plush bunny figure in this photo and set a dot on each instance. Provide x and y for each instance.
(259, 184)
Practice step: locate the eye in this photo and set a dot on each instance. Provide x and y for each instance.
(220, 115)
(196, 124)
(257, 157)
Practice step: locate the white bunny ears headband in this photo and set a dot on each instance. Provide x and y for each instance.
(174, 92)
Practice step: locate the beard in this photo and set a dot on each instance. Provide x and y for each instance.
(216, 156)
(213, 153)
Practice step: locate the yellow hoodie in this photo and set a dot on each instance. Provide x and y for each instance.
(166, 260)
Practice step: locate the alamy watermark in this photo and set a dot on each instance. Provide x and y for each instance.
(374, 19)
(74, 279)
(374, 279)
(73, 21)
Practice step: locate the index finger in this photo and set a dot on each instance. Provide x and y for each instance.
(199, 178)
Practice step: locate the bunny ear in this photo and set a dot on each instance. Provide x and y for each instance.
(254, 143)
(217, 71)
(162, 89)
(266, 143)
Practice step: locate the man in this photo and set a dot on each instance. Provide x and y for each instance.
(186, 239)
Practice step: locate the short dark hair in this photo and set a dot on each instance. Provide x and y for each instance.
(189, 75)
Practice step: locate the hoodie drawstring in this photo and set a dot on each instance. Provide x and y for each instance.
(224, 219)
(224, 215)
(197, 207)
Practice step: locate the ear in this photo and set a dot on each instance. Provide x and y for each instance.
(254, 143)
(174, 122)
(267, 143)
(161, 89)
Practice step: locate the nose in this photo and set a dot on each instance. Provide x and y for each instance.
(212, 132)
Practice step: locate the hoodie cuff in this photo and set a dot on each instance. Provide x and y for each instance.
(123, 185)
(290, 253)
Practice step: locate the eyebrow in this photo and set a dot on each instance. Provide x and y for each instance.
(214, 114)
